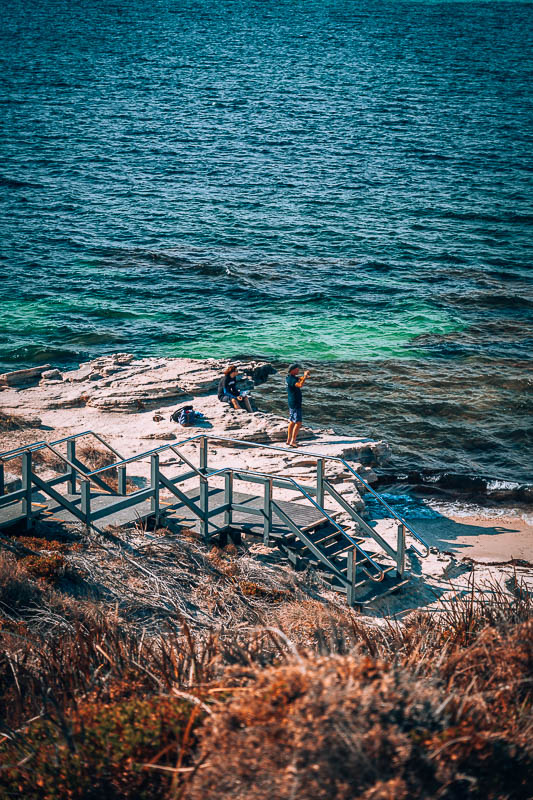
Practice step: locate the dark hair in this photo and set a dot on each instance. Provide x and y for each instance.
(230, 369)
(295, 366)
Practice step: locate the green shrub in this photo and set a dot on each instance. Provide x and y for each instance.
(99, 751)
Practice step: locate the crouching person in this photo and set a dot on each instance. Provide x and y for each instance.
(228, 391)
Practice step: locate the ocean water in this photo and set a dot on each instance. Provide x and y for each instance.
(340, 181)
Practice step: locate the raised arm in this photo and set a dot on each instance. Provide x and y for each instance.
(302, 380)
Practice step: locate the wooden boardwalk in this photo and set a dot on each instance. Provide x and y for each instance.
(49, 510)
(306, 529)
(45, 509)
(303, 515)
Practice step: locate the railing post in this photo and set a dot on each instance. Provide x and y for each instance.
(267, 512)
(121, 476)
(351, 576)
(203, 454)
(27, 486)
(71, 472)
(2, 479)
(320, 482)
(400, 551)
(85, 500)
(228, 498)
(204, 490)
(204, 507)
(154, 483)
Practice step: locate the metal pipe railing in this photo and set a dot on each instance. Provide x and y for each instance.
(291, 452)
(80, 472)
(322, 510)
(338, 459)
(8, 455)
(39, 445)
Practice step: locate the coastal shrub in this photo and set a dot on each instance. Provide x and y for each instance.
(14, 422)
(49, 567)
(117, 750)
(17, 589)
(95, 456)
(252, 589)
(42, 543)
(320, 728)
(353, 726)
(307, 698)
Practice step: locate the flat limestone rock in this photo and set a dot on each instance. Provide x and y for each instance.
(51, 375)
(63, 399)
(128, 398)
(365, 452)
(22, 377)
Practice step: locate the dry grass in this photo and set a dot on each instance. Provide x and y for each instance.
(14, 422)
(95, 456)
(174, 672)
(91, 455)
(17, 590)
(46, 458)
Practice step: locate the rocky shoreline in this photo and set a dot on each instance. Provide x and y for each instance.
(106, 395)
(129, 402)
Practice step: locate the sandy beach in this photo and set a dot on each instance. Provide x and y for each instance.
(491, 539)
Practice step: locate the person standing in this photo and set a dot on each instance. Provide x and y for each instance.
(294, 396)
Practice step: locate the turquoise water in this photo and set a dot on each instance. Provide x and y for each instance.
(341, 181)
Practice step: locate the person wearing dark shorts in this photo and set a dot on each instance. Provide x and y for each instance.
(294, 396)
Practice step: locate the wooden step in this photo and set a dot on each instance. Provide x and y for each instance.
(386, 570)
(324, 536)
(374, 591)
(341, 544)
(337, 547)
(380, 590)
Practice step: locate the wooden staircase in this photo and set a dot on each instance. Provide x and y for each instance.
(364, 565)
(339, 552)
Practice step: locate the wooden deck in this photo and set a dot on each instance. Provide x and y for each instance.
(302, 515)
(46, 509)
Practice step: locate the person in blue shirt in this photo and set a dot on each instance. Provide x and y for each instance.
(294, 396)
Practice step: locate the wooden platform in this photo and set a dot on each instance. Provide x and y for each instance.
(302, 515)
(45, 509)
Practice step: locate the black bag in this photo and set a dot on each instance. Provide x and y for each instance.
(185, 416)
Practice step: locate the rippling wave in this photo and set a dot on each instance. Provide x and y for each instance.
(343, 182)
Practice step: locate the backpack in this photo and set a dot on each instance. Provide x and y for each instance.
(184, 416)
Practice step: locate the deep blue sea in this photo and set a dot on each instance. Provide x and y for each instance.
(344, 182)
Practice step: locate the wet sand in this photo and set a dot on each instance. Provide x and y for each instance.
(486, 540)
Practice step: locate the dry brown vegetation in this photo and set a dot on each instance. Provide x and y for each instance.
(92, 456)
(167, 671)
(14, 422)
